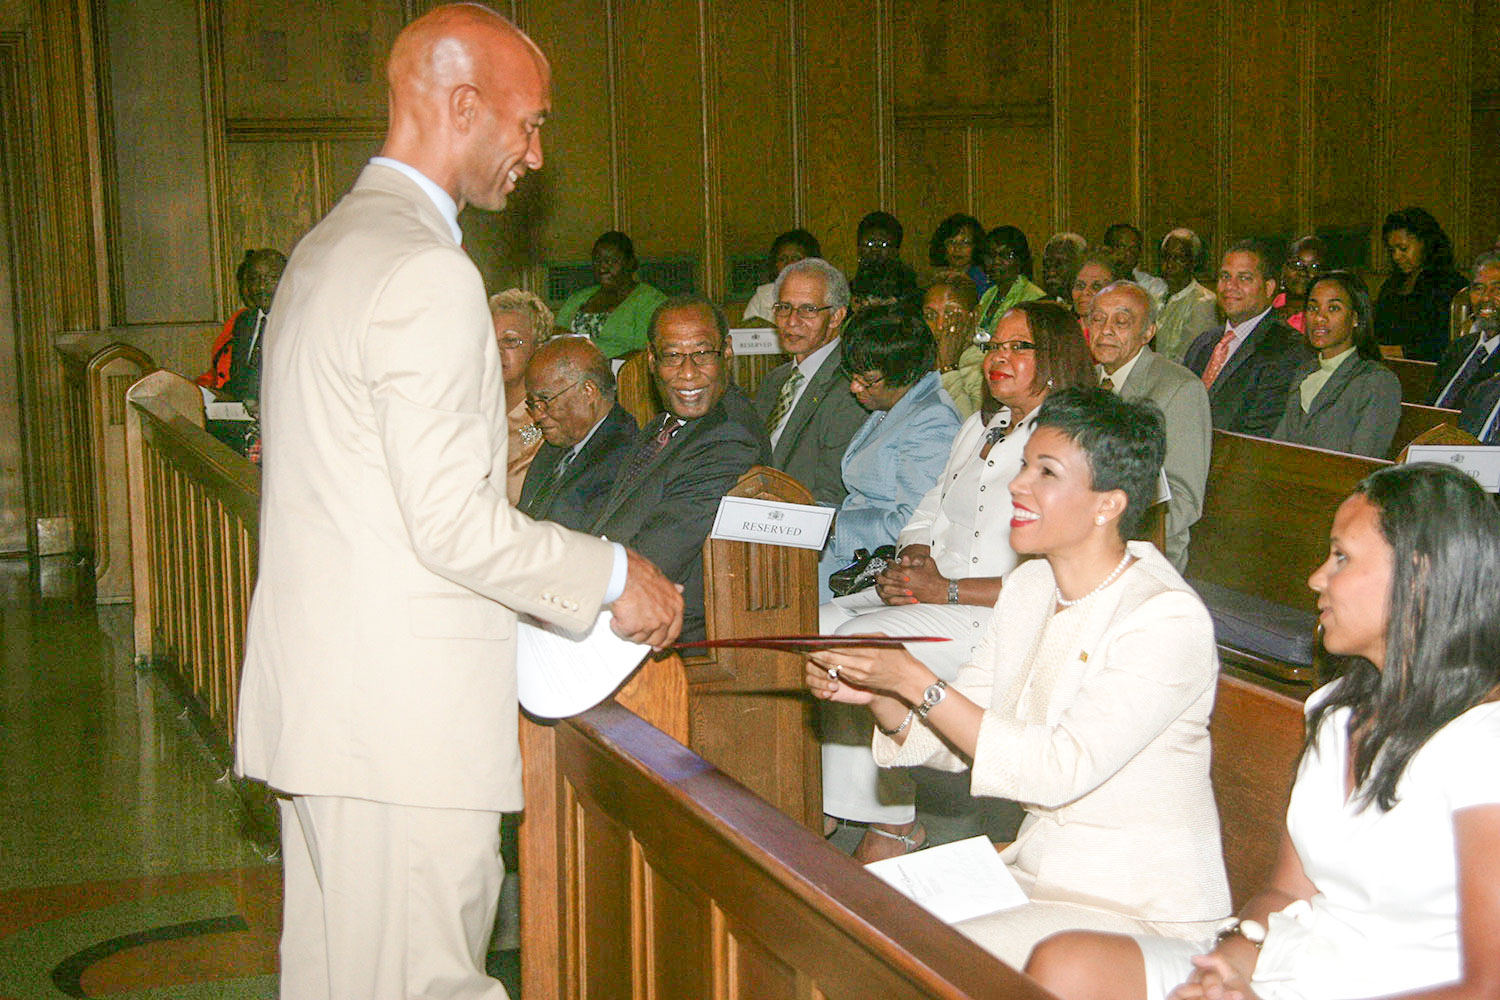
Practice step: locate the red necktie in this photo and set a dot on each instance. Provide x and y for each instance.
(1220, 356)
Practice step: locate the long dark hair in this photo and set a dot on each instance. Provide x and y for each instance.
(1437, 248)
(1442, 641)
(1364, 313)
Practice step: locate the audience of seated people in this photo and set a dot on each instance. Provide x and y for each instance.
(682, 463)
(1189, 308)
(1124, 243)
(1472, 358)
(1088, 699)
(1096, 268)
(1304, 262)
(522, 321)
(805, 404)
(1008, 265)
(895, 456)
(952, 555)
(570, 393)
(948, 309)
(615, 311)
(1411, 311)
(1384, 883)
(1249, 364)
(1345, 399)
(234, 364)
(1120, 330)
(788, 248)
(958, 243)
(1061, 255)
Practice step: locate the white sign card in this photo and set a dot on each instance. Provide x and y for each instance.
(754, 340)
(1477, 460)
(744, 519)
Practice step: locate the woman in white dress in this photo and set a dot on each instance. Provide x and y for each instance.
(1388, 878)
(1087, 701)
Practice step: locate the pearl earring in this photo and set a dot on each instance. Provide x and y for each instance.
(1050, 383)
(1099, 519)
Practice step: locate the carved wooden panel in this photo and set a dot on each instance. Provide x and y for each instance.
(1484, 180)
(973, 54)
(1102, 135)
(1346, 123)
(339, 164)
(932, 182)
(1260, 184)
(1013, 180)
(1180, 170)
(272, 196)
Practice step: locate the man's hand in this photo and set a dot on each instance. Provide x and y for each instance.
(650, 609)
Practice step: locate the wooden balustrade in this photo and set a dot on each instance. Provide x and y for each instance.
(194, 509)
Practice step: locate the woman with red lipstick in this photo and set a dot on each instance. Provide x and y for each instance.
(1087, 700)
(953, 552)
(1345, 400)
(1385, 881)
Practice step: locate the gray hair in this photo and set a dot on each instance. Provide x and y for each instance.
(1126, 285)
(1078, 243)
(521, 301)
(1195, 243)
(1490, 258)
(836, 286)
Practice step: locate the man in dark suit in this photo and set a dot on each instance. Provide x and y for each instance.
(1481, 414)
(683, 462)
(805, 405)
(1249, 365)
(570, 392)
(1473, 358)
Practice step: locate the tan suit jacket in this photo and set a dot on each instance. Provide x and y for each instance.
(380, 656)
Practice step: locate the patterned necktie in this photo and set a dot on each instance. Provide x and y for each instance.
(648, 451)
(1105, 382)
(1220, 356)
(540, 504)
(1460, 381)
(784, 400)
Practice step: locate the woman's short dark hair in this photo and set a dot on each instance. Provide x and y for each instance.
(1062, 353)
(799, 238)
(1364, 313)
(885, 281)
(1437, 249)
(937, 251)
(1014, 240)
(618, 240)
(1442, 640)
(891, 340)
(1124, 440)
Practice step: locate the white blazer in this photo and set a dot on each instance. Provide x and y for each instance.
(380, 658)
(1120, 810)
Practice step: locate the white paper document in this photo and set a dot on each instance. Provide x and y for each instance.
(561, 673)
(953, 882)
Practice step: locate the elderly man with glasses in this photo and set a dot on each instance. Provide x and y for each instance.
(669, 482)
(805, 405)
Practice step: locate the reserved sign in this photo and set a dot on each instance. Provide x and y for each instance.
(743, 519)
(1477, 460)
(754, 340)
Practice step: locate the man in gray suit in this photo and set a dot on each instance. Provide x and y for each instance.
(1120, 327)
(808, 411)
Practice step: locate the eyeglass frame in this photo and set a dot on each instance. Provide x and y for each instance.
(860, 378)
(1007, 346)
(806, 310)
(716, 354)
(539, 404)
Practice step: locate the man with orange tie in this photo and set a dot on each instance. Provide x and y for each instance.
(1249, 365)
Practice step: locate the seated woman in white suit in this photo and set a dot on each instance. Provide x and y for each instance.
(1385, 883)
(953, 552)
(1087, 701)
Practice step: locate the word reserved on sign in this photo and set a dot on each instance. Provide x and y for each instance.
(1477, 460)
(743, 519)
(754, 340)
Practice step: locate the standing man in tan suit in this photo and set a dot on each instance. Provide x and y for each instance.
(379, 687)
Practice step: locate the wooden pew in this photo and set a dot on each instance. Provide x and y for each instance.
(98, 369)
(1417, 419)
(635, 390)
(1416, 378)
(1267, 510)
(1257, 740)
(672, 880)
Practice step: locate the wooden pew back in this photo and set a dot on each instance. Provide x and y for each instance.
(1417, 419)
(674, 881)
(1415, 376)
(1257, 740)
(1266, 514)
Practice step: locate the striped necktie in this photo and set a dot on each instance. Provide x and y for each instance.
(784, 400)
(1219, 358)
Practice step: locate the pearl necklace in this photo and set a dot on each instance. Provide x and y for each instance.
(1062, 602)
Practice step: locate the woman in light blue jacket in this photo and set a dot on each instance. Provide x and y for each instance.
(898, 453)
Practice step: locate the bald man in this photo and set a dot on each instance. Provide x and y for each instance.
(379, 693)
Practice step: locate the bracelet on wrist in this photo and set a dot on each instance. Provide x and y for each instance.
(952, 591)
(899, 729)
(1251, 930)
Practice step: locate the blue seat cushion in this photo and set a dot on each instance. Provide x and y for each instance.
(1265, 628)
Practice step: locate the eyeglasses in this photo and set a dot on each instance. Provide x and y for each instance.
(877, 244)
(1008, 346)
(1305, 267)
(512, 343)
(1003, 253)
(806, 310)
(862, 380)
(672, 360)
(539, 404)
(961, 240)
